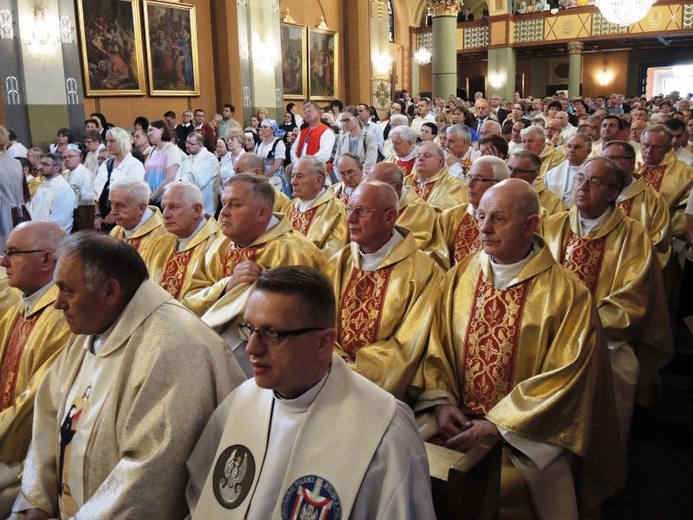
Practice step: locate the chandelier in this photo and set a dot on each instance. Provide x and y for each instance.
(624, 12)
(422, 56)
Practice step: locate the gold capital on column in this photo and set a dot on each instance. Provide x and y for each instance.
(575, 47)
(444, 7)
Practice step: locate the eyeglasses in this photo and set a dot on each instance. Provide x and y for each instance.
(267, 336)
(362, 211)
(592, 182)
(14, 252)
(473, 179)
(44, 163)
(347, 119)
(518, 170)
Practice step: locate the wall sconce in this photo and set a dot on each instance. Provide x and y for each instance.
(605, 77)
(43, 42)
(496, 80)
(422, 56)
(265, 55)
(382, 63)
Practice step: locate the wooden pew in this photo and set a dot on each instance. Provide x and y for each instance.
(466, 485)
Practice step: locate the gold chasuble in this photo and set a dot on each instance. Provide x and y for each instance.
(460, 231)
(324, 223)
(618, 265)
(442, 191)
(145, 238)
(28, 347)
(531, 360)
(340, 192)
(549, 202)
(422, 221)
(280, 245)
(673, 180)
(8, 295)
(173, 269)
(550, 158)
(645, 205)
(384, 316)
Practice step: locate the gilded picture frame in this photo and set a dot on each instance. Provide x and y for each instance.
(323, 59)
(171, 39)
(294, 61)
(111, 47)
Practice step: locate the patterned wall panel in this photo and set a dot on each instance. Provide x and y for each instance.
(525, 31)
(600, 27)
(569, 27)
(688, 16)
(663, 18)
(476, 37)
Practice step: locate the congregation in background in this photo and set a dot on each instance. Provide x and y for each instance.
(479, 270)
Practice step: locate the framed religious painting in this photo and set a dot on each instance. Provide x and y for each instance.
(323, 58)
(172, 59)
(111, 45)
(294, 62)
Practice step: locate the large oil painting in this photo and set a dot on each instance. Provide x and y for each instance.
(111, 41)
(171, 36)
(322, 64)
(293, 43)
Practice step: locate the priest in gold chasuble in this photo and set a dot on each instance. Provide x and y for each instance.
(516, 351)
(385, 290)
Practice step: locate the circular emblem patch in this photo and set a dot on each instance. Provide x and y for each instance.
(311, 497)
(233, 476)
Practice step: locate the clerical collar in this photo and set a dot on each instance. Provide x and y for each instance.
(471, 210)
(148, 213)
(587, 225)
(409, 156)
(371, 261)
(622, 196)
(273, 222)
(403, 194)
(503, 274)
(305, 205)
(30, 300)
(97, 340)
(303, 401)
(183, 242)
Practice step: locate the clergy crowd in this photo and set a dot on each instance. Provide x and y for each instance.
(193, 314)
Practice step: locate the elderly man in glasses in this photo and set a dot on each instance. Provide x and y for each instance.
(284, 445)
(32, 334)
(614, 257)
(385, 287)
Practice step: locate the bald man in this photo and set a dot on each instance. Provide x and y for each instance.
(385, 288)
(501, 362)
(32, 334)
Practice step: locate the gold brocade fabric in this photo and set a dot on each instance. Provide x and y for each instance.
(407, 282)
(491, 345)
(446, 191)
(146, 239)
(627, 286)
(674, 184)
(235, 255)
(324, 223)
(174, 272)
(422, 221)
(584, 258)
(12, 356)
(423, 189)
(361, 308)
(648, 207)
(549, 202)
(40, 348)
(279, 245)
(561, 391)
(461, 233)
(550, 158)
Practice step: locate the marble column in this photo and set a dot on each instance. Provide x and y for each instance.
(444, 13)
(574, 68)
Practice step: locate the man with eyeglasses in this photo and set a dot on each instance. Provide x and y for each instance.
(432, 180)
(534, 140)
(54, 199)
(266, 452)
(201, 168)
(385, 287)
(316, 212)
(119, 412)
(32, 334)
(350, 170)
(640, 202)
(614, 257)
(561, 179)
(458, 224)
(515, 353)
(93, 141)
(414, 213)
(526, 166)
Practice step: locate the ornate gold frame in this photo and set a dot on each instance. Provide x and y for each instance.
(303, 94)
(92, 87)
(316, 93)
(155, 86)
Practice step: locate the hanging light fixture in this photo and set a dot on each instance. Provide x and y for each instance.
(422, 56)
(624, 12)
